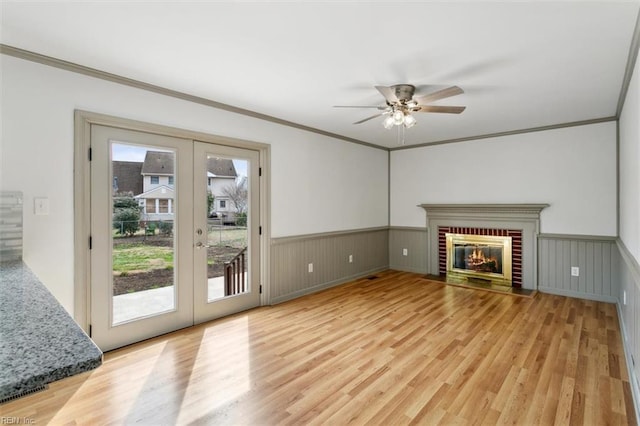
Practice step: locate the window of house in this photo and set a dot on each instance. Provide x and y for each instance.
(223, 204)
(155, 180)
(170, 180)
(151, 205)
(163, 206)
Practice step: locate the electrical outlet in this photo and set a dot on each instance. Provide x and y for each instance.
(350, 258)
(575, 271)
(405, 252)
(311, 267)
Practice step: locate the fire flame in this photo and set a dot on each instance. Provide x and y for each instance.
(477, 258)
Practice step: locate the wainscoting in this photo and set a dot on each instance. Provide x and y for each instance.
(329, 254)
(414, 240)
(596, 257)
(628, 312)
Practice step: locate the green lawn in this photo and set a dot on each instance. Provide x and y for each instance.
(140, 257)
(229, 237)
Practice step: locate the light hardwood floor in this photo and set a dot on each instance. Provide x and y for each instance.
(393, 350)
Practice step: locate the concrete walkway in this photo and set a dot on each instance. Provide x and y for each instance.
(140, 304)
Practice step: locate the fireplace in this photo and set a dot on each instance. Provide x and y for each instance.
(519, 221)
(484, 258)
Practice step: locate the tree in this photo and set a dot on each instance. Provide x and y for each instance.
(126, 221)
(210, 200)
(239, 194)
(126, 215)
(124, 202)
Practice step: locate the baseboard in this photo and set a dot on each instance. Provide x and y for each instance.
(324, 286)
(407, 269)
(578, 294)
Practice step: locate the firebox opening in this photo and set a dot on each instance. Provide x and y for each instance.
(479, 257)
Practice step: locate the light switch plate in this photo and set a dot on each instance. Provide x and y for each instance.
(41, 206)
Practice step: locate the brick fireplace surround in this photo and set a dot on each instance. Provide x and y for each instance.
(516, 247)
(520, 221)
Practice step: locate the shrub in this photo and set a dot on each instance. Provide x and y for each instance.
(150, 229)
(126, 221)
(241, 219)
(126, 215)
(125, 203)
(166, 228)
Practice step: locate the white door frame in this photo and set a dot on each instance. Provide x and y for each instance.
(82, 192)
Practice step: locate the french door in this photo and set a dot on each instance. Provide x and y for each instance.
(174, 233)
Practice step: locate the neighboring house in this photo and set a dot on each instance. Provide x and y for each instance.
(127, 177)
(157, 170)
(157, 203)
(221, 173)
(158, 192)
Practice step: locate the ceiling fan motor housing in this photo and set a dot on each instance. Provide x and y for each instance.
(404, 92)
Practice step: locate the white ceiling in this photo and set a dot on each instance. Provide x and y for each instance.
(522, 64)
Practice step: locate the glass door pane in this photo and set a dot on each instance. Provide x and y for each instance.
(143, 245)
(227, 238)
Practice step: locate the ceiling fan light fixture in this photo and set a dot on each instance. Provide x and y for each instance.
(398, 117)
(400, 105)
(409, 120)
(388, 122)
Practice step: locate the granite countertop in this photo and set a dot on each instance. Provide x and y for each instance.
(39, 341)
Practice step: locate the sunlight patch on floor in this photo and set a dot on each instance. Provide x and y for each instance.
(221, 371)
(120, 395)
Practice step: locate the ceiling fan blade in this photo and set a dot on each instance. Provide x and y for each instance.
(441, 108)
(360, 106)
(369, 118)
(440, 94)
(388, 93)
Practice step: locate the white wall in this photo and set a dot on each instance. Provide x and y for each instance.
(148, 186)
(629, 214)
(318, 184)
(573, 169)
(630, 168)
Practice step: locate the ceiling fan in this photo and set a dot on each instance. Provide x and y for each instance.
(401, 103)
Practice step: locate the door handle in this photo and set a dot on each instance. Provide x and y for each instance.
(200, 245)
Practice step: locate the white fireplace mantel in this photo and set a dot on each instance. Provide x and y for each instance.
(525, 217)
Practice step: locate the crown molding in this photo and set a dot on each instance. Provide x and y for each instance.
(114, 78)
(95, 73)
(509, 133)
(631, 63)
